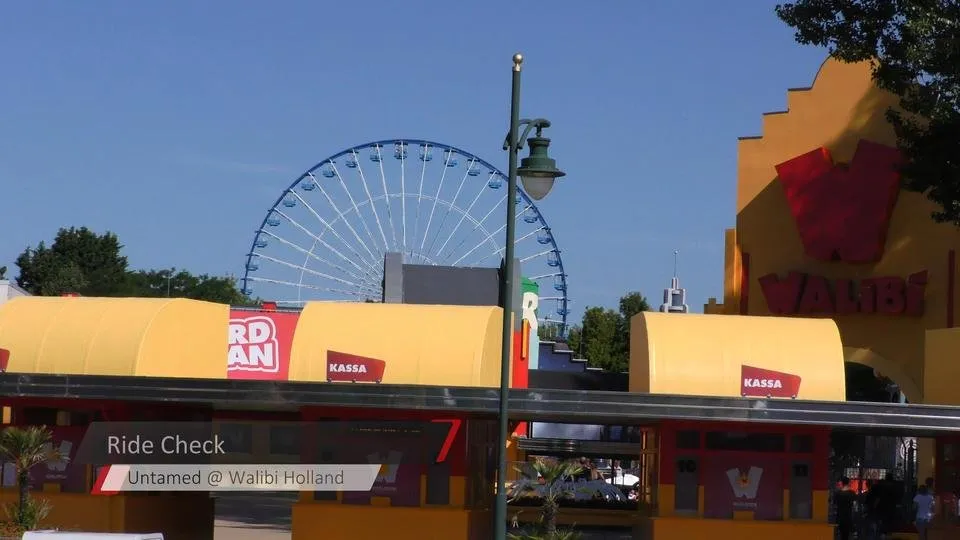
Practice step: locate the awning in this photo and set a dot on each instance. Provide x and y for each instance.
(150, 337)
(732, 356)
(615, 408)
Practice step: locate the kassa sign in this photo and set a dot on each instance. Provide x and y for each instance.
(258, 344)
(758, 382)
(342, 367)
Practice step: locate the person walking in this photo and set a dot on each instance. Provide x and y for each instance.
(843, 503)
(923, 503)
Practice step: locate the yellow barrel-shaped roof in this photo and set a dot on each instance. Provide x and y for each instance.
(692, 354)
(154, 337)
(420, 344)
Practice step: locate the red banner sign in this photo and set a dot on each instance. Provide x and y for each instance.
(4, 359)
(342, 367)
(806, 294)
(757, 382)
(258, 344)
(71, 477)
(743, 484)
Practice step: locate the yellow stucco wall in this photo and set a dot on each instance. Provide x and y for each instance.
(149, 337)
(421, 344)
(703, 354)
(842, 107)
(941, 368)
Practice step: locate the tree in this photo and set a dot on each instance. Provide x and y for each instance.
(90, 264)
(630, 304)
(182, 284)
(26, 448)
(79, 260)
(603, 336)
(915, 50)
(549, 481)
(601, 342)
(3, 272)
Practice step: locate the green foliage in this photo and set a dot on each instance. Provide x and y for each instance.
(79, 260)
(26, 448)
(35, 511)
(182, 284)
(603, 336)
(90, 264)
(3, 272)
(549, 481)
(915, 49)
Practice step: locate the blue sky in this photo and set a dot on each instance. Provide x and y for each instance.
(177, 124)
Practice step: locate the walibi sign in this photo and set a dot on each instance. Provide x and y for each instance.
(842, 213)
(805, 294)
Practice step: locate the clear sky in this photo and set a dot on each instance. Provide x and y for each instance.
(176, 124)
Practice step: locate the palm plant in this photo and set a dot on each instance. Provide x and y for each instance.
(550, 482)
(25, 448)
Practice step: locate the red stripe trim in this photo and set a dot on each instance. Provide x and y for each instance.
(98, 483)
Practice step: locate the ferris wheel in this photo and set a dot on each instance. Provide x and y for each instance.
(325, 237)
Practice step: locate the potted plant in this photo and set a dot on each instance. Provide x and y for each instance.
(25, 448)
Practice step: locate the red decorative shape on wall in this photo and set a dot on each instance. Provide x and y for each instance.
(4, 360)
(455, 424)
(843, 212)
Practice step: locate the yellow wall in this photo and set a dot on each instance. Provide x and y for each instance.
(421, 344)
(115, 336)
(688, 528)
(842, 107)
(348, 522)
(703, 354)
(941, 369)
(179, 516)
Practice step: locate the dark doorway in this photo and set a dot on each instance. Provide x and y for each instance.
(882, 469)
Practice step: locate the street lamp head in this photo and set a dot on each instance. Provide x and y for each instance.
(538, 170)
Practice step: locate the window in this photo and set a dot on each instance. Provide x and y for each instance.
(37, 416)
(745, 442)
(801, 491)
(801, 444)
(285, 440)
(687, 488)
(237, 437)
(688, 440)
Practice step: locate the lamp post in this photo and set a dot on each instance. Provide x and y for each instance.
(538, 172)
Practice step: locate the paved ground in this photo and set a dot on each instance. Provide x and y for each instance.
(253, 516)
(266, 516)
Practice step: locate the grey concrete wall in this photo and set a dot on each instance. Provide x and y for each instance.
(393, 278)
(427, 284)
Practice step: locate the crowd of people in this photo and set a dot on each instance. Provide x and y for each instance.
(873, 513)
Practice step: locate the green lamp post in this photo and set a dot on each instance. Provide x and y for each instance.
(538, 172)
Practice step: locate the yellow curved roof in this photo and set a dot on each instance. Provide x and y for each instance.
(702, 355)
(115, 336)
(420, 344)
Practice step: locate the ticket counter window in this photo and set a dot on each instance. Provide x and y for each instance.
(746, 473)
(687, 493)
(801, 491)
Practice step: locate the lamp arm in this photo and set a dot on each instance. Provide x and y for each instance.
(529, 125)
